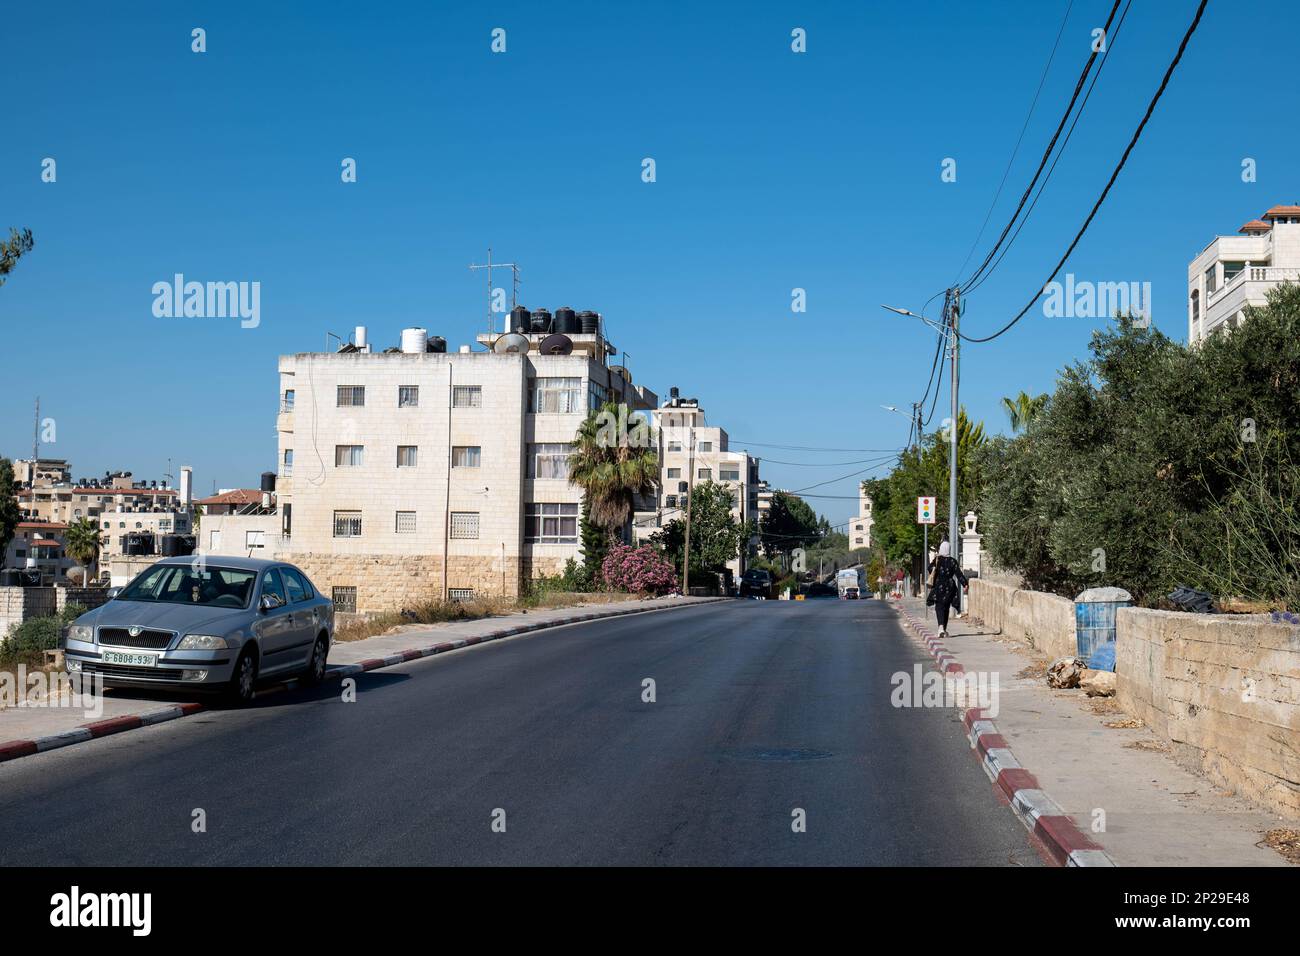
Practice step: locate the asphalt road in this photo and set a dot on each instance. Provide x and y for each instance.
(762, 709)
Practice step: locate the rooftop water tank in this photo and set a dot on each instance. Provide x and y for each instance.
(437, 344)
(520, 320)
(589, 322)
(566, 321)
(541, 321)
(415, 341)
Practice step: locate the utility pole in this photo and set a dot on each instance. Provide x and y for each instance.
(954, 316)
(690, 494)
(916, 416)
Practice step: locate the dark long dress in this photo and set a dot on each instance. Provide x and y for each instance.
(947, 590)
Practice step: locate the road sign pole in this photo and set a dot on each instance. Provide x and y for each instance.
(925, 560)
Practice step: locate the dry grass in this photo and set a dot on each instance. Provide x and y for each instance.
(1150, 746)
(443, 612)
(1035, 671)
(1285, 841)
(1104, 706)
(1128, 723)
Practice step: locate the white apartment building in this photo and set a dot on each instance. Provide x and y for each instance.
(860, 525)
(411, 475)
(692, 452)
(1233, 273)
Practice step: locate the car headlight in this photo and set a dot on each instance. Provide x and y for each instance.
(202, 642)
(80, 632)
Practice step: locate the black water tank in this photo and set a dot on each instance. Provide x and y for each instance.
(138, 544)
(268, 481)
(541, 321)
(520, 320)
(589, 322)
(436, 344)
(176, 545)
(10, 578)
(566, 321)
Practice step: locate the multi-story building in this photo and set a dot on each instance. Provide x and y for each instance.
(411, 475)
(860, 525)
(45, 472)
(692, 452)
(242, 521)
(39, 546)
(65, 501)
(1233, 273)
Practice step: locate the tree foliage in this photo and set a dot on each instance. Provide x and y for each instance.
(18, 245)
(788, 523)
(716, 534)
(1131, 472)
(9, 513)
(612, 467)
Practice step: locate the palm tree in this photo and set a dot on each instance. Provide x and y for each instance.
(81, 541)
(612, 464)
(1022, 409)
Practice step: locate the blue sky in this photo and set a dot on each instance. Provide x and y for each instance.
(775, 170)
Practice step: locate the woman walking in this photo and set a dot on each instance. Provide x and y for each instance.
(945, 592)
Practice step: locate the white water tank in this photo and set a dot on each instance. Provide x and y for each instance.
(415, 340)
(359, 338)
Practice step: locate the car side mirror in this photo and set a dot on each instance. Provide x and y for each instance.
(113, 592)
(270, 602)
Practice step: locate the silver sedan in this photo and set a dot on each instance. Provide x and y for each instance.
(206, 623)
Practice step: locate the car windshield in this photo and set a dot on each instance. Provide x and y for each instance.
(185, 584)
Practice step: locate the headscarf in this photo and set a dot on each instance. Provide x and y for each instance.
(945, 550)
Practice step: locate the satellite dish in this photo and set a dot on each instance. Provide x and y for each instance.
(511, 342)
(556, 344)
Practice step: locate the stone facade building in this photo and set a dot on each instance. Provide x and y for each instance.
(412, 475)
(1233, 273)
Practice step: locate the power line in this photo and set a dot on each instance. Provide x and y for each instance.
(759, 444)
(1137, 134)
(1047, 153)
(1110, 46)
(1016, 149)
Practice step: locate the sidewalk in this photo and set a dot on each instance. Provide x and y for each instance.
(124, 708)
(1155, 812)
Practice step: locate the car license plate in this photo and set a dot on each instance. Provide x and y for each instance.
(132, 660)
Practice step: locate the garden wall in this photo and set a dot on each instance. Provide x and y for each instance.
(1041, 620)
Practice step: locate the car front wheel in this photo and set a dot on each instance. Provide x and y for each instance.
(240, 689)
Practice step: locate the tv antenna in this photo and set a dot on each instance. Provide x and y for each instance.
(514, 294)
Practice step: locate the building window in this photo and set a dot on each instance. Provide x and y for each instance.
(407, 455)
(347, 524)
(464, 524)
(286, 403)
(348, 456)
(546, 523)
(857, 540)
(466, 456)
(467, 396)
(597, 395)
(674, 446)
(729, 474)
(345, 599)
(286, 468)
(408, 396)
(461, 594)
(670, 501)
(555, 395)
(254, 539)
(405, 522)
(549, 460)
(704, 474)
(674, 472)
(1209, 279)
(706, 446)
(351, 396)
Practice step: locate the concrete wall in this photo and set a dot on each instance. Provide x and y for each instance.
(1225, 690)
(21, 604)
(1043, 621)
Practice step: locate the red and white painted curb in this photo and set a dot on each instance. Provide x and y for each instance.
(13, 749)
(1066, 844)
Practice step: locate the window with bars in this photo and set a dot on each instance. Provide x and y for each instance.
(549, 459)
(466, 456)
(461, 594)
(405, 522)
(464, 524)
(553, 395)
(551, 523)
(349, 456)
(351, 396)
(408, 396)
(407, 456)
(467, 396)
(347, 524)
(345, 599)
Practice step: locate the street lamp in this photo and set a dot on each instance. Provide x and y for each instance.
(948, 329)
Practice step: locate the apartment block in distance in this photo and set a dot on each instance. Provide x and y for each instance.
(692, 452)
(1233, 273)
(411, 474)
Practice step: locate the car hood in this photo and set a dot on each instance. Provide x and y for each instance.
(169, 617)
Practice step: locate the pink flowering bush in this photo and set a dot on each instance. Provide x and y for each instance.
(640, 570)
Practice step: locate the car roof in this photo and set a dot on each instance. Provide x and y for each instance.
(224, 561)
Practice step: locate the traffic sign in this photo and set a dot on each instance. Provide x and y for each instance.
(925, 510)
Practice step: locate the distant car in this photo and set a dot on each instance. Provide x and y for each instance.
(756, 583)
(850, 594)
(212, 623)
(817, 589)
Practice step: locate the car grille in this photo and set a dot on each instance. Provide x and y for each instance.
(148, 639)
(137, 673)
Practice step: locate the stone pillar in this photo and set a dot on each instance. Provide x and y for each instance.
(970, 545)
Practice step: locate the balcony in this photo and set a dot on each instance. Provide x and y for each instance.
(1249, 287)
